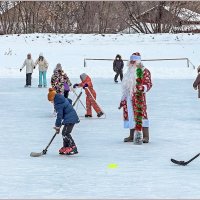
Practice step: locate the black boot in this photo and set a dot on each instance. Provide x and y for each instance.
(100, 114)
(88, 115)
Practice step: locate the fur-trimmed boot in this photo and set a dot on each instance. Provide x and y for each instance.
(130, 137)
(145, 134)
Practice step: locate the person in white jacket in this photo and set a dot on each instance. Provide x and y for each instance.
(29, 63)
(43, 66)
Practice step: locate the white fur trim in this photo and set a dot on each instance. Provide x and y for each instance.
(145, 88)
(130, 123)
(145, 123)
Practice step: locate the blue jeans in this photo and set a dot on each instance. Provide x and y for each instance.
(42, 75)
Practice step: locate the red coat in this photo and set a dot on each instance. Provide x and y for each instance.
(146, 82)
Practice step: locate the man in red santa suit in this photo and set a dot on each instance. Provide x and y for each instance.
(128, 100)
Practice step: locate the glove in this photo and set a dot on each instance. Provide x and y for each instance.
(34, 67)
(85, 86)
(75, 85)
(20, 70)
(120, 105)
(57, 129)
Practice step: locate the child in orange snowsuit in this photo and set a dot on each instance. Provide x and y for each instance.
(90, 95)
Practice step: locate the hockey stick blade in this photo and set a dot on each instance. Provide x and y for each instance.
(34, 154)
(183, 163)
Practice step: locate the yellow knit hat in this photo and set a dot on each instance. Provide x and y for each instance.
(51, 94)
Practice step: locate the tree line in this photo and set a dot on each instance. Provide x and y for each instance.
(18, 17)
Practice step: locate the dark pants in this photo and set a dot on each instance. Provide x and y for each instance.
(66, 93)
(67, 138)
(28, 78)
(120, 72)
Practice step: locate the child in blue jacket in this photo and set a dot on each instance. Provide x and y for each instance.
(67, 116)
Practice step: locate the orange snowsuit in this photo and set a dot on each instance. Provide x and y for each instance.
(90, 102)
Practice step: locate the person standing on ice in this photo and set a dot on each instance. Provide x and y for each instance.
(60, 81)
(128, 100)
(67, 116)
(118, 65)
(196, 84)
(43, 66)
(90, 95)
(29, 63)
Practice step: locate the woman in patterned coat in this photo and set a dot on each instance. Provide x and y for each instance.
(128, 101)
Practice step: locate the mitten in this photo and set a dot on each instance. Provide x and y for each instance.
(57, 129)
(20, 70)
(120, 106)
(75, 85)
(85, 86)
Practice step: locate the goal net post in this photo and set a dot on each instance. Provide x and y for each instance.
(188, 62)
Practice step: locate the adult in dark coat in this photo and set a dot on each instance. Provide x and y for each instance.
(67, 116)
(118, 65)
(196, 83)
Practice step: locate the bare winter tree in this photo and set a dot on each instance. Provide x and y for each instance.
(97, 16)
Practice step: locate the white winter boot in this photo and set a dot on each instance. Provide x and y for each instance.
(138, 137)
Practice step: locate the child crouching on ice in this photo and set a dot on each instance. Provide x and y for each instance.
(67, 116)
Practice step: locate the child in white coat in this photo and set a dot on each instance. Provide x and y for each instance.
(29, 63)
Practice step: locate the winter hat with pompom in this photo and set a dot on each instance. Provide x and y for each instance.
(58, 66)
(83, 76)
(51, 94)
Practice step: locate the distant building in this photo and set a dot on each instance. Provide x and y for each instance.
(162, 19)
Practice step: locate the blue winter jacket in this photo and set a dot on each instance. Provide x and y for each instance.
(65, 111)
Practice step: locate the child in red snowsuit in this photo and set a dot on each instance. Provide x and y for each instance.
(90, 95)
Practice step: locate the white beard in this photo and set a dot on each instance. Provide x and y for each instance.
(129, 82)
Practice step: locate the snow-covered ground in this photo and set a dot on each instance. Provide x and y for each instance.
(143, 171)
(70, 51)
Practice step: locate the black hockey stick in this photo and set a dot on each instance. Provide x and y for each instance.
(183, 163)
(78, 97)
(34, 154)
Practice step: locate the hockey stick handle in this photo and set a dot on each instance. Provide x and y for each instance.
(193, 158)
(79, 99)
(45, 150)
(94, 100)
(199, 91)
